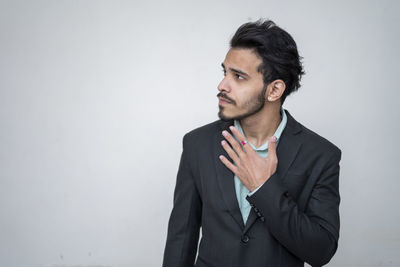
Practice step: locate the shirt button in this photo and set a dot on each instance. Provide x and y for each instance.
(245, 239)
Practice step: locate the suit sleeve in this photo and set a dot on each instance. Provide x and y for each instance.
(185, 220)
(311, 235)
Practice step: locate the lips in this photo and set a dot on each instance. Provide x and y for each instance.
(224, 101)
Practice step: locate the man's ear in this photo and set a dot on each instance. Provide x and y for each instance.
(275, 90)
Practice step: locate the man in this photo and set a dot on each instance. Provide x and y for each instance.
(262, 187)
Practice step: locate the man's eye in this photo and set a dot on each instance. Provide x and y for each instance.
(239, 77)
(224, 72)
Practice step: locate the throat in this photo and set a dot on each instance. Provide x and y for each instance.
(259, 131)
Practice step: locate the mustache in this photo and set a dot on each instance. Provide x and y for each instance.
(227, 98)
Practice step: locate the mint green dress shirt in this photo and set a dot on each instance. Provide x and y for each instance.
(241, 191)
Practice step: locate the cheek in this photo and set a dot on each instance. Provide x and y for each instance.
(249, 100)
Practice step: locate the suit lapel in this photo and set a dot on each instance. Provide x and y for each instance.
(226, 177)
(288, 147)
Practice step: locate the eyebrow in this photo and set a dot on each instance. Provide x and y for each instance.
(236, 71)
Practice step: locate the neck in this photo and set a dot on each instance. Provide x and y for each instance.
(259, 127)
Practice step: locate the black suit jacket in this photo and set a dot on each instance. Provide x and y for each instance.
(294, 217)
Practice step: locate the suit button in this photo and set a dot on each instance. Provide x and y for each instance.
(262, 219)
(245, 239)
(259, 214)
(256, 210)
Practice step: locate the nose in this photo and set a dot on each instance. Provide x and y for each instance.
(224, 85)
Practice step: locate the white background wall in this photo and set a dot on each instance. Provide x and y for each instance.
(95, 97)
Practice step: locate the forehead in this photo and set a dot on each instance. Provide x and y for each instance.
(242, 58)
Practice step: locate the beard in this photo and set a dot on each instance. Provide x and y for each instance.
(252, 106)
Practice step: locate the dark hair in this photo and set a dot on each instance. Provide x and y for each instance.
(277, 49)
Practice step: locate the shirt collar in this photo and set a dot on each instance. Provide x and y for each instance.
(277, 133)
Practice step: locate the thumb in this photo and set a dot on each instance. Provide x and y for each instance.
(272, 147)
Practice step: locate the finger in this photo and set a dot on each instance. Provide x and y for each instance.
(236, 146)
(242, 139)
(228, 164)
(272, 147)
(230, 152)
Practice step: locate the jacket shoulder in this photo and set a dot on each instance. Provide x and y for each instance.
(313, 140)
(310, 139)
(203, 132)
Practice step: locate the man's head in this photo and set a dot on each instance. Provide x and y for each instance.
(262, 65)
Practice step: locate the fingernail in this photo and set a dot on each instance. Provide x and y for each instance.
(231, 127)
(223, 142)
(274, 138)
(224, 133)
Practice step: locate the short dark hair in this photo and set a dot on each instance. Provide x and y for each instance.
(277, 50)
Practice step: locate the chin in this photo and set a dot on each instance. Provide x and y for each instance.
(223, 117)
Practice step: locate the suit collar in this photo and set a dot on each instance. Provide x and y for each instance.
(287, 150)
